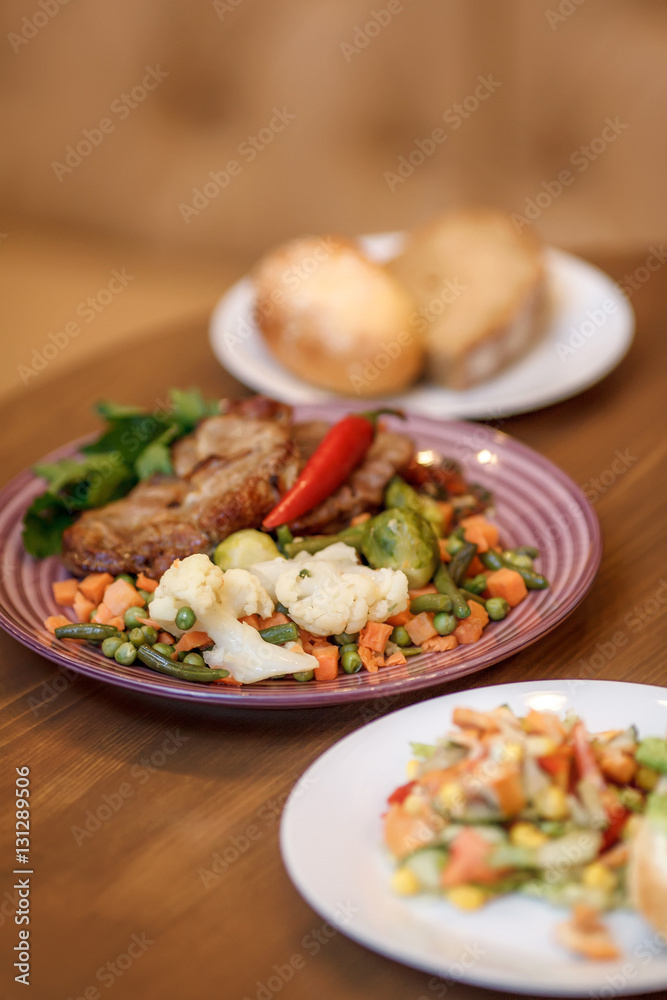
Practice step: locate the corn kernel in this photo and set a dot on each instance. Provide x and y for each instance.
(552, 803)
(647, 778)
(413, 805)
(527, 835)
(631, 827)
(598, 876)
(540, 746)
(450, 796)
(412, 769)
(405, 882)
(511, 752)
(467, 897)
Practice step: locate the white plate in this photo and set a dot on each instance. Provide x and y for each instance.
(575, 352)
(331, 841)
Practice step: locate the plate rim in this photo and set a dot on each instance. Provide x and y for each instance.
(249, 696)
(530, 401)
(292, 858)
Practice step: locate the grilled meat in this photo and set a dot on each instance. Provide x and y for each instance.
(229, 474)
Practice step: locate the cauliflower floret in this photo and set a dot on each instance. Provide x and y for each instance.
(217, 600)
(268, 572)
(329, 592)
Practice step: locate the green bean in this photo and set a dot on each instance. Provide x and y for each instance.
(444, 624)
(150, 658)
(430, 602)
(278, 634)
(475, 584)
(137, 637)
(303, 675)
(497, 608)
(90, 631)
(454, 544)
(350, 661)
(460, 563)
(111, 644)
(400, 636)
(446, 585)
(283, 536)
(353, 536)
(185, 618)
(195, 660)
(517, 559)
(533, 580)
(469, 596)
(150, 634)
(132, 616)
(526, 550)
(283, 611)
(411, 650)
(126, 654)
(345, 638)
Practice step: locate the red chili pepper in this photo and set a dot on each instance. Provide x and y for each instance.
(401, 793)
(338, 453)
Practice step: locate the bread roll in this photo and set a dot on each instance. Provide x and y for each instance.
(336, 319)
(480, 289)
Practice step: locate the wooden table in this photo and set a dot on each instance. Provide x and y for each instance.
(187, 786)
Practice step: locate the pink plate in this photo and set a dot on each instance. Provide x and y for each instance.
(535, 504)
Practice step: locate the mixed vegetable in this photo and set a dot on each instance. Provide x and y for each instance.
(531, 804)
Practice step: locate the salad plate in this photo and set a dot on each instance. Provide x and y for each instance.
(510, 943)
(535, 503)
(590, 330)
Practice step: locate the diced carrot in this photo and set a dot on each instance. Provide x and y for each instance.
(507, 583)
(375, 636)
(65, 591)
(469, 718)
(275, 619)
(327, 659)
(430, 588)
(546, 723)
(121, 595)
(509, 790)
(440, 644)
(252, 620)
(94, 585)
(444, 554)
(447, 509)
(145, 583)
(148, 621)
(400, 619)
(371, 659)
(118, 622)
(360, 519)
(479, 612)
(83, 608)
(174, 656)
(55, 621)
(421, 628)
(468, 631)
(476, 566)
(103, 614)
(166, 638)
(229, 680)
(477, 529)
(395, 659)
(192, 640)
(310, 641)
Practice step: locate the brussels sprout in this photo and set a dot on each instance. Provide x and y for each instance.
(244, 548)
(400, 494)
(401, 539)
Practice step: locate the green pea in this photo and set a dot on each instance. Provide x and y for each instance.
(147, 596)
(126, 577)
(195, 660)
(454, 543)
(150, 634)
(345, 638)
(182, 654)
(132, 616)
(444, 623)
(185, 619)
(162, 647)
(137, 637)
(350, 647)
(400, 636)
(350, 661)
(126, 654)
(475, 584)
(110, 645)
(497, 608)
(303, 675)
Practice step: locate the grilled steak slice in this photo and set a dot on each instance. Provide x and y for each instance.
(229, 474)
(389, 453)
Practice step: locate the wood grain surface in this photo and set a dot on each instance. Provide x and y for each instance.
(187, 786)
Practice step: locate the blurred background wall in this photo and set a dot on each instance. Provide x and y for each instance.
(178, 140)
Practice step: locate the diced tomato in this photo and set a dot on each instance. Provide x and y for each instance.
(401, 793)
